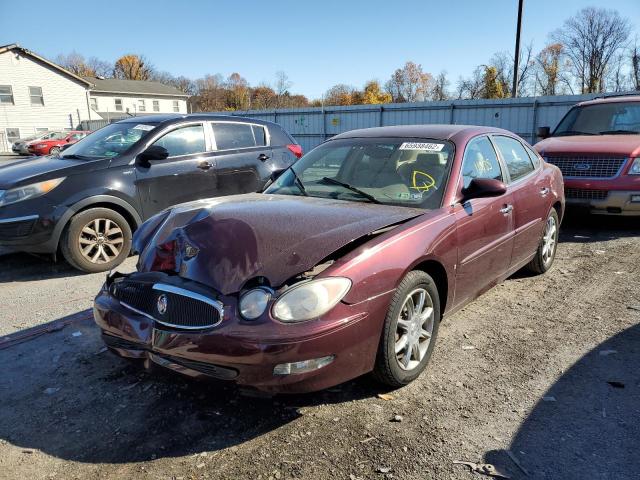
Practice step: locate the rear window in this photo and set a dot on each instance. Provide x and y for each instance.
(279, 137)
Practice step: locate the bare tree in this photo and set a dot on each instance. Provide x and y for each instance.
(635, 67)
(548, 68)
(282, 86)
(591, 40)
(503, 63)
(471, 87)
(439, 91)
(409, 83)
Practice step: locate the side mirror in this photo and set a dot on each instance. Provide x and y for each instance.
(544, 132)
(154, 152)
(483, 187)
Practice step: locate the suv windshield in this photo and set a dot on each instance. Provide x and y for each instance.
(109, 141)
(395, 171)
(601, 119)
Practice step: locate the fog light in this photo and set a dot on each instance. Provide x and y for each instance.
(303, 366)
(635, 198)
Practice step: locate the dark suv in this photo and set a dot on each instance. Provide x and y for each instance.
(86, 201)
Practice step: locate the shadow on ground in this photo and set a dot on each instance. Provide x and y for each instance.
(579, 226)
(23, 267)
(587, 425)
(66, 396)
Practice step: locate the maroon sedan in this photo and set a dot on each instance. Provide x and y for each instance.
(346, 264)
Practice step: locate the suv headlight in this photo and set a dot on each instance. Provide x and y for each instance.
(311, 299)
(18, 194)
(635, 167)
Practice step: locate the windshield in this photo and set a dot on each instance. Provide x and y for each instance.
(395, 171)
(601, 119)
(109, 141)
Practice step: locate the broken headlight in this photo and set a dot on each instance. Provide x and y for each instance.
(310, 299)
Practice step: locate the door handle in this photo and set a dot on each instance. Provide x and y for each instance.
(544, 191)
(506, 209)
(204, 165)
(263, 157)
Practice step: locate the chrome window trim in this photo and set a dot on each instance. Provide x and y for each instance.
(18, 219)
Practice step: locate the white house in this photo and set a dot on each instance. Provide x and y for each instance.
(114, 98)
(37, 95)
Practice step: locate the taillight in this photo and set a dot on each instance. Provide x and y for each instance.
(165, 258)
(295, 149)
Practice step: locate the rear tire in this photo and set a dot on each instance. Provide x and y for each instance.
(409, 332)
(546, 253)
(96, 240)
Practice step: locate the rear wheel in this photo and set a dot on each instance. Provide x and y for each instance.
(410, 331)
(54, 151)
(546, 252)
(96, 240)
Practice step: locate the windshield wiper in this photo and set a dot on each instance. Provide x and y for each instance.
(571, 132)
(619, 132)
(352, 188)
(299, 183)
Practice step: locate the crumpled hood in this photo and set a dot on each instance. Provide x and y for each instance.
(245, 236)
(623, 145)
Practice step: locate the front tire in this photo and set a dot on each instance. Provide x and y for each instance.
(546, 253)
(96, 240)
(410, 331)
(54, 151)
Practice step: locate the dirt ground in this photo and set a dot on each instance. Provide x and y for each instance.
(541, 369)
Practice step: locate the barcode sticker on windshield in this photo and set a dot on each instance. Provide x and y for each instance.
(142, 126)
(431, 147)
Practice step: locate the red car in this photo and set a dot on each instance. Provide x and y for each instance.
(597, 147)
(344, 265)
(53, 145)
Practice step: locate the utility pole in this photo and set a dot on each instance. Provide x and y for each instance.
(514, 89)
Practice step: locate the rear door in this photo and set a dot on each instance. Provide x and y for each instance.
(187, 174)
(243, 156)
(484, 225)
(528, 188)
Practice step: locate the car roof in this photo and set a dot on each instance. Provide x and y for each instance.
(612, 99)
(176, 117)
(440, 132)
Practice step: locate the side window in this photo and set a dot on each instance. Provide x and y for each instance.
(515, 156)
(480, 161)
(259, 134)
(183, 141)
(233, 135)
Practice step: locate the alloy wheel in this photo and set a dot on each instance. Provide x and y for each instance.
(549, 240)
(414, 329)
(101, 240)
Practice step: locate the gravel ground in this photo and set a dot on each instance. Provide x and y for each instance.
(540, 369)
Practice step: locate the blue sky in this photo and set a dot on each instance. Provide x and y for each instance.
(318, 43)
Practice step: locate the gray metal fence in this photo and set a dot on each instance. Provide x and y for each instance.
(312, 126)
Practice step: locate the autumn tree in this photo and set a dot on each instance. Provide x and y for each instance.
(492, 86)
(132, 67)
(339, 94)
(591, 40)
(409, 83)
(548, 68)
(263, 97)
(238, 93)
(372, 94)
(210, 94)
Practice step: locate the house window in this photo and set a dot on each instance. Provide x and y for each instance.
(13, 134)
(176, 106)
(94, 103)
(6, 94)
(36, 96)
(141, 106)
(118, 104)
(41, 130)
(156, 105)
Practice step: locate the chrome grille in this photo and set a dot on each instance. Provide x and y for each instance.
(582, 166)
(584, 194)
(184, 308)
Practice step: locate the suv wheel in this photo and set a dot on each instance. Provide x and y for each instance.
(96, 240)
(410, 330)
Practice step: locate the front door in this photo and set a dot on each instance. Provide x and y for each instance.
(484, 226)
(243, 157)
(187, 174)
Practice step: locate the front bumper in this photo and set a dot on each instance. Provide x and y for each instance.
(620, 196)
(247, 352)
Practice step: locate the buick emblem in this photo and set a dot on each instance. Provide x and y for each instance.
(190, 252)
(581, 166)
(162, 304)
